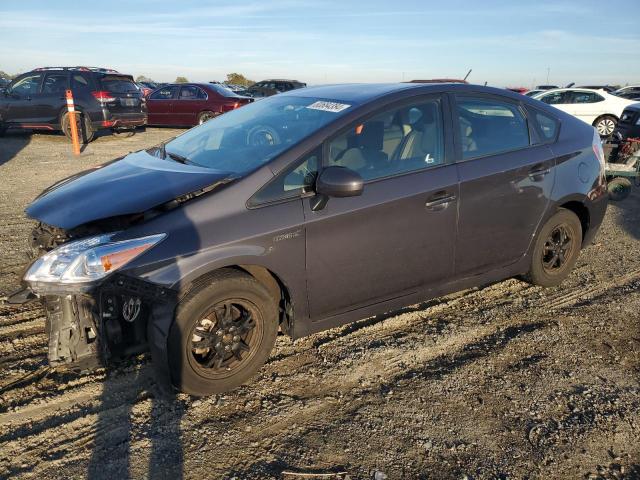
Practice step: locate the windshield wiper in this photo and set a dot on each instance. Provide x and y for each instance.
(176, 157)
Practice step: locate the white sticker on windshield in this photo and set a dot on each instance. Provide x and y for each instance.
(328, 106)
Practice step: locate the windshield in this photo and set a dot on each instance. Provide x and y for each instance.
(246, 138)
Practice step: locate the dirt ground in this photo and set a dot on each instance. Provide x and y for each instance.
(507, 381)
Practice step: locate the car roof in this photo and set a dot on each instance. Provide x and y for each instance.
(279, 80)
(358, 93)
(578, 89)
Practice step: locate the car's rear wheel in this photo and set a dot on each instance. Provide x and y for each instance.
(605, 125)
(205, 117)
(222, 334)
(85, 130)
(556, 249)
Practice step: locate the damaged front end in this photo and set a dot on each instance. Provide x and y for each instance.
(108, 323)
(94, 314)
(97, 312)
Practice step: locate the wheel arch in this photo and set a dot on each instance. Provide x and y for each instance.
(272, 282)
(601, 116)
(581, 211)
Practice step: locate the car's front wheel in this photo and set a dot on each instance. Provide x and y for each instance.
(605, 125)
(222, 334)
(556, 249)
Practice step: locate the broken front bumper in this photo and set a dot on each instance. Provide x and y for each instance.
(119, 318)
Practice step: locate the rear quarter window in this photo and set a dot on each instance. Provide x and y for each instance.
(547, 126)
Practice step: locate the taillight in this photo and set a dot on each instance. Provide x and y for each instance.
(230, 106)
(103, 96)
(597, 148)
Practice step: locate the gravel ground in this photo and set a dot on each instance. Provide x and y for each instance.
(507, 381)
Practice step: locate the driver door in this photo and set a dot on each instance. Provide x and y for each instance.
(399, 235)
(21, 100)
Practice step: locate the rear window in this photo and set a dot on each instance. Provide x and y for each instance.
(224, 91)
(118, 84)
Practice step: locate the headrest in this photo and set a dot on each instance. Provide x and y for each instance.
(371, 135)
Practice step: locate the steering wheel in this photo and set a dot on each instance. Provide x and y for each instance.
(262, 135)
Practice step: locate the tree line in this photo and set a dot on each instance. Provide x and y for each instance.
(232, 78)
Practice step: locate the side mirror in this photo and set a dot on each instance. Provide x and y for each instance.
(339, 182)
(336, 182)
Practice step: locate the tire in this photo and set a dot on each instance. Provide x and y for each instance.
(605, 125)
(553, 258)
(619, 188)
(206, 116)
(85, 130)
(233, 350)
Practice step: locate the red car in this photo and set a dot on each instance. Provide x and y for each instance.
(188, 104)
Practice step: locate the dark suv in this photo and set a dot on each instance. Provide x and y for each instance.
(629, 124)
(105, 99)
(266, 88)
(305, 211)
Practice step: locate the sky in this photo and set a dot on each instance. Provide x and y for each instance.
(506, 43)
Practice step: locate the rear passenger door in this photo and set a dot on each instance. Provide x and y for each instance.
(586, 105)
(52, 98)
(399, 234)
(506, 176)
(190, 102)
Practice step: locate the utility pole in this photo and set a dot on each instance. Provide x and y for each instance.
(548, 70)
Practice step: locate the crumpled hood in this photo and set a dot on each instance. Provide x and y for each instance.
(134, 184)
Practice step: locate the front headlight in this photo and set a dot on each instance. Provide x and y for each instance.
(87, 260)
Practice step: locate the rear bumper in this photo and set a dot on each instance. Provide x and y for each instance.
(122, 121)
(597, 209)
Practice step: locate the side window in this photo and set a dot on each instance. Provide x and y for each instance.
(165, 93)
(201, 94)
(80, 81)
(548, 125)
(27, 85)
(489, 126)
(291, 183)
(55, 83)
(189, 93)
(585, 97)
(554, 98)
(396, 141)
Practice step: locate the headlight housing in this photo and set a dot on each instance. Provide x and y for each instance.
(87, 260)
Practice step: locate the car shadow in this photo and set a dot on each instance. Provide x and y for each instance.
(117, 431)
(629, 213)
(126, 427)
(12, 143)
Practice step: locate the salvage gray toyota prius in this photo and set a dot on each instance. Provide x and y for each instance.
(305, 211)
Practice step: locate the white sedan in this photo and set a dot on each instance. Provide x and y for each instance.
(596, 107)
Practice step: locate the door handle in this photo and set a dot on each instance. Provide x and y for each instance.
(538, 174)
(439, 201)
